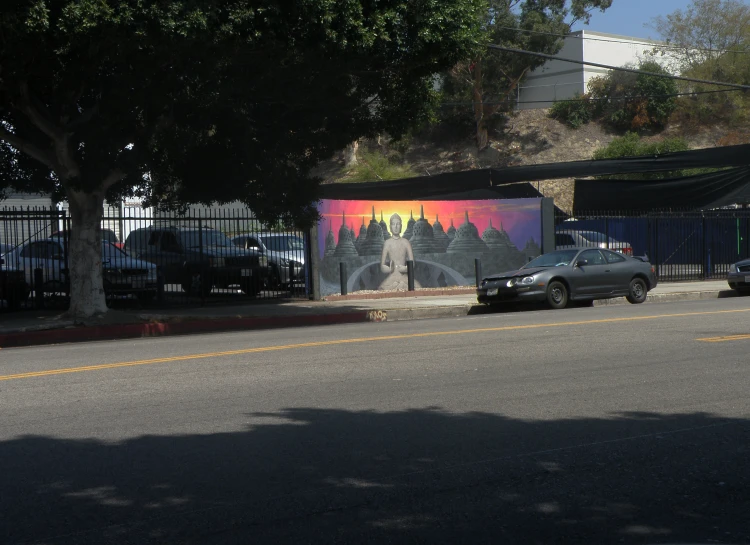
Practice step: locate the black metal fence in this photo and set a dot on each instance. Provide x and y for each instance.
(155, 259)
(683, 245)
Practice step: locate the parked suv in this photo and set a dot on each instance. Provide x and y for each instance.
(572, 238)
(199, 260)
(282, 250)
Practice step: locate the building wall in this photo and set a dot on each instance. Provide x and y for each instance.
(554, 80)
(558, 80)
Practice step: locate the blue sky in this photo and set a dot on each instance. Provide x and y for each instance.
(629, 17)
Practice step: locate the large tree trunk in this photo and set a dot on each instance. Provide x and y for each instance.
(478, 93)
(350, 154)
(85, 256)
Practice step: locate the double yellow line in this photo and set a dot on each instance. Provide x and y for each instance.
(206, 355)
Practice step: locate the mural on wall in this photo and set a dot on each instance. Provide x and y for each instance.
(376, 239)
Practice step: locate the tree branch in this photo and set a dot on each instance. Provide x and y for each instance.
(42, 123)
(83, 118)
(112, 178)
(29, 149)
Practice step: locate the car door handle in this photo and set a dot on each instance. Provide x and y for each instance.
(607, 270)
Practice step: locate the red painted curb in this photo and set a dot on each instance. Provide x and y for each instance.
(162, 329)
(392, 294)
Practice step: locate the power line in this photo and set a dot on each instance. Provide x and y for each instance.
(618, 68)
(589, 99)
(651, 43)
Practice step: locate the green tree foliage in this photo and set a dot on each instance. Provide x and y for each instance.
(710, 40)
(632, 145)
(489, 80)
(194, 101)
(634, 101)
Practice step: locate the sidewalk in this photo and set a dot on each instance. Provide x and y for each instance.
(47, 327)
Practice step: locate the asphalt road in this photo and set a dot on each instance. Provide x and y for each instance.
(616, 424)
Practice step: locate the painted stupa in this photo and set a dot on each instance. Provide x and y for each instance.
(384, 227)
(345, 246)
(330, 241)
(531, 250)
(409, 227)
(440, 237)
(362, 235)
(497, 240)
(467, 239)
(423, 237)
(451, 232)
(351, 232)
(373, 244)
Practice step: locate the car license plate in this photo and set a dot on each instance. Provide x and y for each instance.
(246, 272)
(492, 292)
(139, 283)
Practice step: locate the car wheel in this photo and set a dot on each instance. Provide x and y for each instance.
(251, 287)
(637, 292)
(15, 299)
(194, 285)
(146, 296)
(557, 295)
(274, 277)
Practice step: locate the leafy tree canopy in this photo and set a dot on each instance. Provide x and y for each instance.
(202, 100)
(193, 101)
(490, 79)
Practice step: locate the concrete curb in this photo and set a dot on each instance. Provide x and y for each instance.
(160, 326)
(181, 327)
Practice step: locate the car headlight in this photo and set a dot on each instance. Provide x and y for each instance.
(263, 261)
(216, 261)
(732, 268)
(112, 271)
(527, 280)
(151, 275)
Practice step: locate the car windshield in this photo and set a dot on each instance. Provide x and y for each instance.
(282, 243)
(552, 259)
(594, 236)
(109, 251)
(192, 239)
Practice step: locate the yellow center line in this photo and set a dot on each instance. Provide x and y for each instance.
(298, 346)
(724, 339)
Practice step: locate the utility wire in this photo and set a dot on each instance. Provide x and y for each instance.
(618, 68)
(591, 99)
(651, 43)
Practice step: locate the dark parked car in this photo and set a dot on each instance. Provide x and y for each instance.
(284, 251)
(122, 274)
(13, 286)
(108, 235)
(577, 274)
(199, 260)
(739, 276)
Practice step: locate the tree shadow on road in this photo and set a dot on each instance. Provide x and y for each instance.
(418, 476)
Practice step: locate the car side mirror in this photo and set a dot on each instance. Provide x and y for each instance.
(582, 262)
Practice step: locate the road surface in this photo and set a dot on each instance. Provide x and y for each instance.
(620, 424)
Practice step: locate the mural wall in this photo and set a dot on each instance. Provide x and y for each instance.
(375, 239)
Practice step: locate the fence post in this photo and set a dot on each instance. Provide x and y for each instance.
(704, 257)
(478, 270)
(410, 275)
(202, 261)
(39, 287)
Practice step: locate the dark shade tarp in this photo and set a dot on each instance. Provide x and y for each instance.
(509, 183)
(700, 192)
(466, 185)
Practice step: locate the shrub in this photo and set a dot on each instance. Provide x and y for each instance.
(373, 166)
(575, 112)
(631, 145)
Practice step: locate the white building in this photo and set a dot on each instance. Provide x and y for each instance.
(559, 80)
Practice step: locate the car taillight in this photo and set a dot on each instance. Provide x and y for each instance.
(627, 250)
